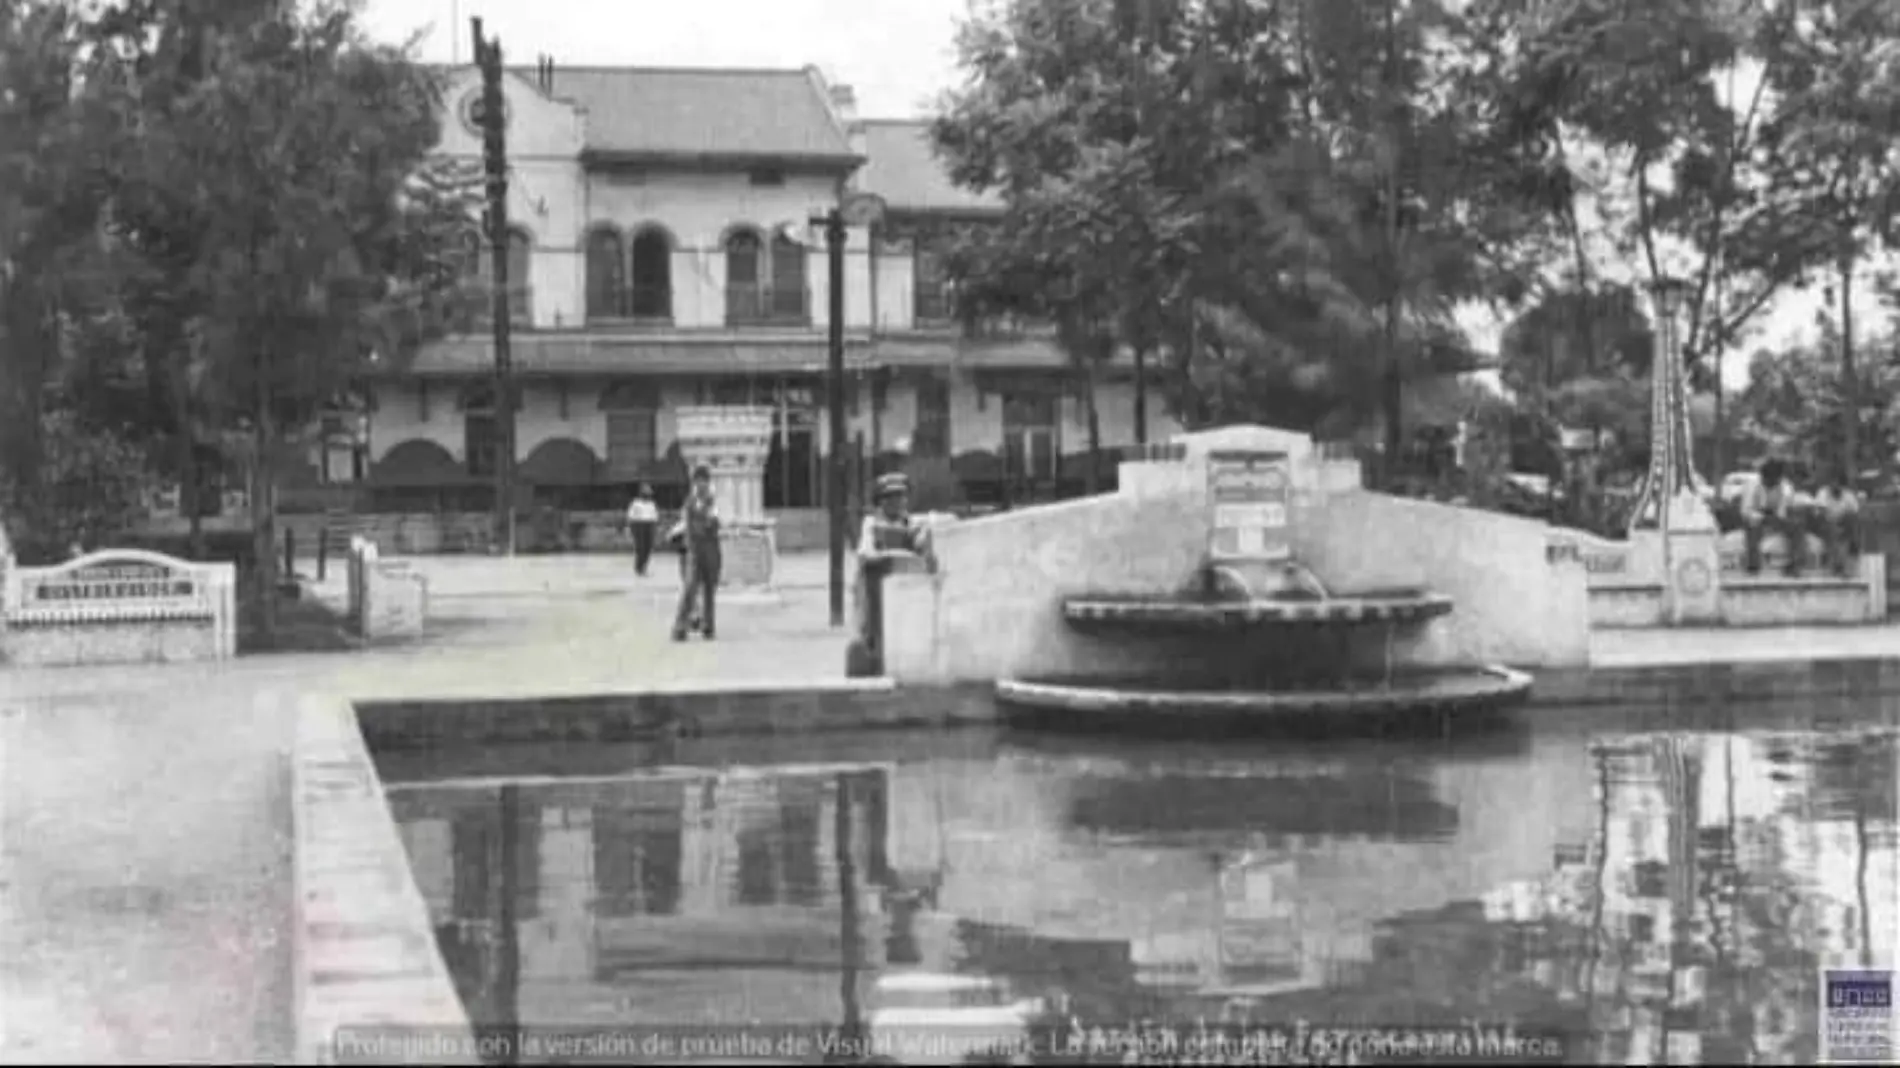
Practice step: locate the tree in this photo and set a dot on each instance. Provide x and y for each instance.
(273, 209)
(1797, 403)
(1837, 76)
(90, 486)
(1581, 360)
(51, 162)
(1175, 169)
(1063, 114)
(1709, 187)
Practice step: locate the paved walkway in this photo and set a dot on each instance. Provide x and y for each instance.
(144, 860)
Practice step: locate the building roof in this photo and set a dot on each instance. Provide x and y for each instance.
(703, 112)
(902, 167)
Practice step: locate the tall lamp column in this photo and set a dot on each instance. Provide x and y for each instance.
(855, 210)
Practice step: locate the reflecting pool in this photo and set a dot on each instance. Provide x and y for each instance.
(1639, 894)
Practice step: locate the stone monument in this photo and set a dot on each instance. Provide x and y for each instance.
(733, 442)
(1673, 535)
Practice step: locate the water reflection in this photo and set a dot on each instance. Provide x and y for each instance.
(1656, 897)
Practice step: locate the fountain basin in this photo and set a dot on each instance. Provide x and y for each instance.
(1396, 606)
(1101, 701)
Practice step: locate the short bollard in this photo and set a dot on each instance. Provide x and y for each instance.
(290, 552)
(323, 553)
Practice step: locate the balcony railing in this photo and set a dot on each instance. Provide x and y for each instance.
(519, 303)
(479, 307)
(653, 303)
(759, 304)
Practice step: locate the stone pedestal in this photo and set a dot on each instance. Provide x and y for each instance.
(733, 442)
(1686, 558)
(387, 599)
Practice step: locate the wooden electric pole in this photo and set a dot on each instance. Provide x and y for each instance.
(494, 123)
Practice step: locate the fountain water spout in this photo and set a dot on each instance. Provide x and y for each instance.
(1246, 581)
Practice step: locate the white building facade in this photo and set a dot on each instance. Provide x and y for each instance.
(664, 254)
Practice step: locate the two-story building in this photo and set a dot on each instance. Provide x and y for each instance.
(664, 254)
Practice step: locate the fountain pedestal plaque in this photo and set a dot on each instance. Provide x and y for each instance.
(733, 442)
(1248, 538)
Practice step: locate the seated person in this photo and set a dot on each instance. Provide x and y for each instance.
(1768, 508)
(1834, 517)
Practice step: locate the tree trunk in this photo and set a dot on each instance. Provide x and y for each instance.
(1141, 395)
(264, 510)
(1091, 479)
(1850, 382)
(22, 402)
(1392, 396)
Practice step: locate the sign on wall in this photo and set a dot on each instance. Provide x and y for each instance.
(1248, 493)
(115, 581)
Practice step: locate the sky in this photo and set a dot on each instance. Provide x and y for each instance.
(897, 55)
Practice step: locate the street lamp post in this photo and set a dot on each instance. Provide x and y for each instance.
(855, 210)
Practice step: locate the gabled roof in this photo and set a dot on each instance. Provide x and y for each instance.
(902, 167)
(692, 112)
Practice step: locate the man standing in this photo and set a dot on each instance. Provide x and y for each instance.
(699, 523)
(642, 517)
(1767, 508)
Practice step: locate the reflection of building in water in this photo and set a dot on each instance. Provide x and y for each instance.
(1725, 868)
(629, 891)
(1237, 874)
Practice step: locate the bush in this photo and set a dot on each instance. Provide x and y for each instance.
(91, 487)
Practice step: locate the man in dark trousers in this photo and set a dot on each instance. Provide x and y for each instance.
(643, 516)
(699, 525)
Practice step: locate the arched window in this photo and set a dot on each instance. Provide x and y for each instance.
(788, 280)
(745, 288)
(652, 274)
(605, 281)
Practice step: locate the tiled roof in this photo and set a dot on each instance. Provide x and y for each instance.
(903, 168)
(688, 111)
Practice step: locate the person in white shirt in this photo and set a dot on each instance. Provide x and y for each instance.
(889, 535)
(643, 517)
(1768, 508)
(1836, 520)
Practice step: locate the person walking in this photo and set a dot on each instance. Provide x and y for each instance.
(699, 523)
(643, 517)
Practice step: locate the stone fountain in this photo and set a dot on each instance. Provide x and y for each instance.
(1297, 592)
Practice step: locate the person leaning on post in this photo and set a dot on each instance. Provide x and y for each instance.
(889, 534)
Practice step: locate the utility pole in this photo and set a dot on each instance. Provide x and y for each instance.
(495, 161)
(835, 235)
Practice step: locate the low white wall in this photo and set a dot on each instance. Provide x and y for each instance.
(1519, 594)
(118, 606)
(994, 609)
